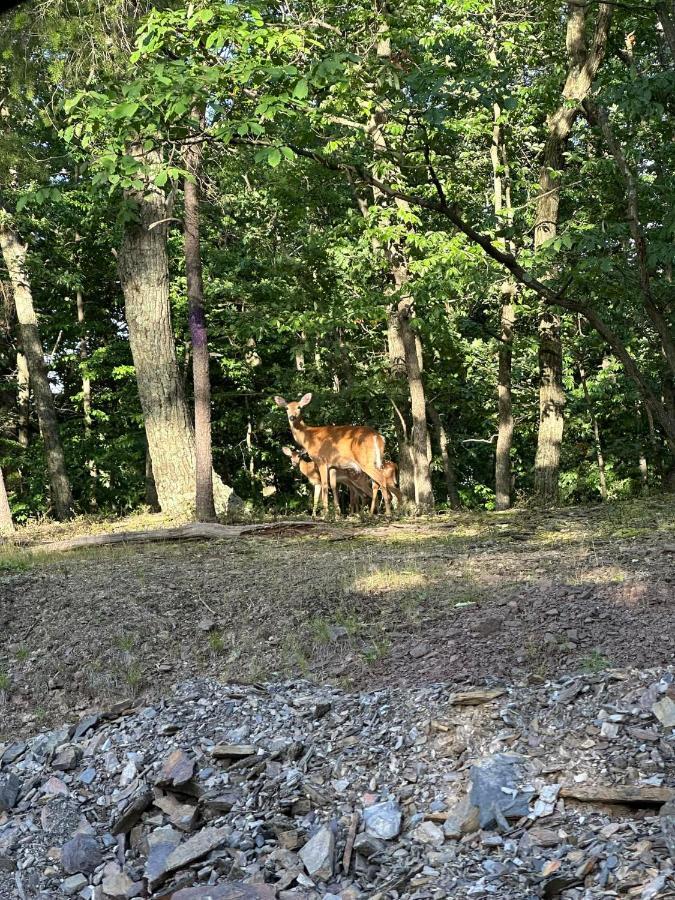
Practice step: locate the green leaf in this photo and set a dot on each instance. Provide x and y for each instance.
(301, 89)
(274, 157)
(124, 110)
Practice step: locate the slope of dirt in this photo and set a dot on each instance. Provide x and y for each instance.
(460, 598)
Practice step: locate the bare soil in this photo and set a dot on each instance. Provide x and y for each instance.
(461, 598)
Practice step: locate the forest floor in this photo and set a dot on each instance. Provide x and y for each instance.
(462, 598)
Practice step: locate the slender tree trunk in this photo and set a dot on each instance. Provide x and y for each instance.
(144, 275)
(424, 497)
(14, 254)
(503, 478)
(397, 369)
(501, 183)
(23, 399)
(204, 502)
(596, 435)
(583, 64)
(448, 467)
(6, 524)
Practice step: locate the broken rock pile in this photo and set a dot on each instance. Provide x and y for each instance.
(536, 789)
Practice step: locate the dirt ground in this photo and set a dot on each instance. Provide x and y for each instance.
(464, 598)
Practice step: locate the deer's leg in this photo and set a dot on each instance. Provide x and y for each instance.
(332, 476)
(373, 499)
(380, 479)
(317, 494)
(323, 474)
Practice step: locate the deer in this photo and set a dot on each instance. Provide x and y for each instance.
(356, 448)
(359, 485)
(390, 470)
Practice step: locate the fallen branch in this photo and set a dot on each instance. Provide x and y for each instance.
(628, 794)
(197, 531)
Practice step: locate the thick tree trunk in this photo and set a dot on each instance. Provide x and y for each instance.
(6, 524)
(144, 275)
(448, 468)
(583, 64)
(596, 436)
(204, 503)
(151, 498)
(22, 398)
(666, 12)
(14, 255)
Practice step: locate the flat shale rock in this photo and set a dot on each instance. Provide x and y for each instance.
(318, 855)
(238, 891)
(81, 854)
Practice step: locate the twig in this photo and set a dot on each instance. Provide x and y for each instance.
(349, 846)
(56, 345)
(162, 221)
(481, 440)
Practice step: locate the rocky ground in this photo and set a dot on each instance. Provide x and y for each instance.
(474, 706)
(537, 789)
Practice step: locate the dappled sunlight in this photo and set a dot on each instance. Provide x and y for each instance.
(389, 580)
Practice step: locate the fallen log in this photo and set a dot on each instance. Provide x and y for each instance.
(196, 531)
(626, 794)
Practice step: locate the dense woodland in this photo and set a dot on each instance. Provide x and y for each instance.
(452, 221)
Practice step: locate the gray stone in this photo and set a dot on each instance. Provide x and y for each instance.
(664, 710)
(67, 759)
(12, 752)
(667, 822)
(195, 848)
(73, 884)
(118, 886)
(318, 854)
(496, 788)
(161, 843)
(44, 745)
(235, 890)
(368, 846)
(10, 788)
(383, 820)
(88, 776)
(85, 725)
(81, 854)
(428, 833)
(177, 770)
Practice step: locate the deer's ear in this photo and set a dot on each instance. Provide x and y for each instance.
(287, 451)
(280, 401)
(304, 400)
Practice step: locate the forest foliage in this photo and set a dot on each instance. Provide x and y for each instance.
(489, 184)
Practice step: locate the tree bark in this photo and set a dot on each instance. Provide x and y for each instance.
(448, 468)
(666, 13)
(22, 398)
(596, 435)
(204, 502)
(397, 370)
(144, 275)
(14, 255)
(6, 524)
(583, 64)
(151, 498)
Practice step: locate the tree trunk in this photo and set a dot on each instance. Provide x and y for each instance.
(448, 467)
(151, 498)
(204, 503)
(596, 436)
(6, 524)
(144, 275)
(22, 399)
(505, 408)
(14, 255)
(665, 10)
(582, 67)
(397, 369)
(502, 188)
(424, 497)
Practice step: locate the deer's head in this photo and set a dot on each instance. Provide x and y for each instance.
(293, 409)
(293, 455)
